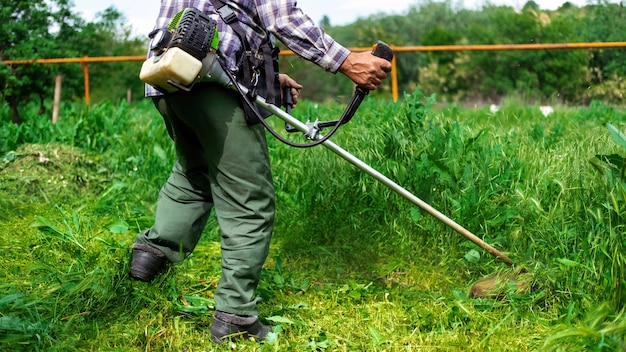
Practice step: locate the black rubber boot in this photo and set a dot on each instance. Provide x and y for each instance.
(147, 262)
(233, 327)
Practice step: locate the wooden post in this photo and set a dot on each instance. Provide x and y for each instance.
(128, 95)
(57, 98)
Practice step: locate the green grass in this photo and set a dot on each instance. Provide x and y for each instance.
(353, 266)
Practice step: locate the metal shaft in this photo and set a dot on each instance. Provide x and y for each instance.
(295, 123)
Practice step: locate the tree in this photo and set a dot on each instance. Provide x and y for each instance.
(607, 67)
(28, 32)
(109, 35)
(325, 22)
(50, 29)
(531, 5)
(441, 68)
(535, 74)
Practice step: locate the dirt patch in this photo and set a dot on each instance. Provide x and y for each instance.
(498, 285)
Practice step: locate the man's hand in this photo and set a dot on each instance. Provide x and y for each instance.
(365, 69)
(286, 81)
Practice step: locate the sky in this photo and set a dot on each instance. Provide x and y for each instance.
(141, 14)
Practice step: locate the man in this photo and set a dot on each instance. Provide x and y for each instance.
(222, 158)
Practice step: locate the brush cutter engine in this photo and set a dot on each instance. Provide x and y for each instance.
(184, 53)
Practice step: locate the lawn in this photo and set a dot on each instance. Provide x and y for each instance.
(353, 266)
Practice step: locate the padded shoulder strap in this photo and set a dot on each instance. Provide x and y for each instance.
(253, 66)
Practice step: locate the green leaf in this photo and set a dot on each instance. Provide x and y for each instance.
(10, 156)
(617, 135)
(119, 227)
(159, 152)
(199, 301)
(279, 280)
(271, 338)
(472, 256)
(415, 214)
(376, 336)
(8, 299)
(280, 319)
(12, 323)
(299, 305)
(354, 294)
(568, 262)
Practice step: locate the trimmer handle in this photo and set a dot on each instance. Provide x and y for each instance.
(288, 104)
(287, 98)
(382, 50)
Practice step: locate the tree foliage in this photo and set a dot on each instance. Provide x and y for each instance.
(42, 29)
(488, 76)
(26, 34)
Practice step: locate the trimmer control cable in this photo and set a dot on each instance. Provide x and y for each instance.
(380, 49)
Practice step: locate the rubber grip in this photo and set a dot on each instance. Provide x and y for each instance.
(382, 50)
(287, 97)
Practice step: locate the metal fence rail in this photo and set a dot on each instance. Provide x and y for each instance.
(85, 61)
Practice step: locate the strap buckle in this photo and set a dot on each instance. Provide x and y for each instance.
(228, 15)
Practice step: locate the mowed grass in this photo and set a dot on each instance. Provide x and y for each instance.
(353, 266)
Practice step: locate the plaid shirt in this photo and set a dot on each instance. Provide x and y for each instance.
(279, 17)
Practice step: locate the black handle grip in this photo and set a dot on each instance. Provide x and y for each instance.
(287, 98)
(382, 50)
(288, 104)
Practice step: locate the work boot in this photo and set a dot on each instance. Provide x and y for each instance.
(147, 262)
(234, 327)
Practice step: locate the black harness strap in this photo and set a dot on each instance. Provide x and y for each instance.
(254, 67)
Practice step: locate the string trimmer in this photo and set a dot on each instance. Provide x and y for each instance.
(177, 66)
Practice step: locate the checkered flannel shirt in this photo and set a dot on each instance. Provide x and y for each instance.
(282, 18)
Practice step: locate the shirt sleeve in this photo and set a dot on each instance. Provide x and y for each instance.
(300, 34)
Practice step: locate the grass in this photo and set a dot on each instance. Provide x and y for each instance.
(353, 266)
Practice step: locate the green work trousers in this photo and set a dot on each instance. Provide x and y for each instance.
(222, 163)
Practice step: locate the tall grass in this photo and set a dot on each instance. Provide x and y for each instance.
(353, 266)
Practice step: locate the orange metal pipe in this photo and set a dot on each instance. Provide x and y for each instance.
(398, 49)
(394, 74)
(87, 90)
(491, 47)
(80, 60)
(394, 77)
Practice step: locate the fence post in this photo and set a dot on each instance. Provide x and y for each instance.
(57, 98)
(394, 76)
(86, 74)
